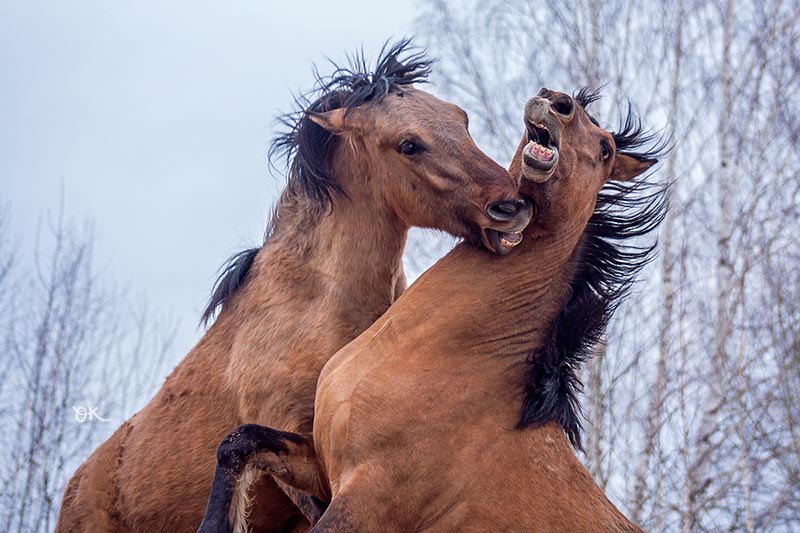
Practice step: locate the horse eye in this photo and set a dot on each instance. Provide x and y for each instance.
(605, 151)
(410, 148)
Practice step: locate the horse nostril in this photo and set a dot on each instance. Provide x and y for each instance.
(562, 105)
(504, 210)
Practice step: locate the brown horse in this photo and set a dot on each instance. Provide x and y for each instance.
(370, 156)
(418, 421)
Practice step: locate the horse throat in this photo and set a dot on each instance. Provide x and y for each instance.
(485, 315)
(346, 262)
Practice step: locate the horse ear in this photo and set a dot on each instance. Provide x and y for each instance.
(626, 167)
(333, 121)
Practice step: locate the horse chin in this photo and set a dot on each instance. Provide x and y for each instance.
(537, 174)
(537, 166)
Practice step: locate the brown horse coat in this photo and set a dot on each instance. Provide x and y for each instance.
(418, 423)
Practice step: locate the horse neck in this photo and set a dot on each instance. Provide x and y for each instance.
(491, 313)
(484, 316)
(527, 288)
(348, 258)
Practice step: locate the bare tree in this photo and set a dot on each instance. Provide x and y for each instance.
(698, 378)
(71, 357)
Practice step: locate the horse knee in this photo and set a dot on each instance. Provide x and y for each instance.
(288, 457)
(231, 452)
(241, 444)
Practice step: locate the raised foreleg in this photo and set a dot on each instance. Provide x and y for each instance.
(248, 450)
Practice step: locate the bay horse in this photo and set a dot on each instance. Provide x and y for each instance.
(370, 156)
(455, 410)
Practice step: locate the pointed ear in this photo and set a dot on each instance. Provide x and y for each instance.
(333, 121)
(626, 167)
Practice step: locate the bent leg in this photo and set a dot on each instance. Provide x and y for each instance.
(248, 450)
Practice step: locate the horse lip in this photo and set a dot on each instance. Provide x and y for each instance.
(539, 171)
(511, 239)
(517, 225)
(494, 237)
(536, 176)
(537, 164)
(496, 241)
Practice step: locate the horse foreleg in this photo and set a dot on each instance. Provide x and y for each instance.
(242, 455)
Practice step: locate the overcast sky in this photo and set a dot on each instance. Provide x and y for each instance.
(156, 118)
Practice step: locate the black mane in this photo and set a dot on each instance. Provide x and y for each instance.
(605, 268)
(307, 146)
(630, 135)
(231, 276)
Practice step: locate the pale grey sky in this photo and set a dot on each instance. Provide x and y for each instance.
(156, 118)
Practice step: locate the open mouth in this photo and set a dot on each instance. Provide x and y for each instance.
(503, 241)
(540, 153)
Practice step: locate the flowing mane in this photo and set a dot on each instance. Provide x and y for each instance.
(605, 266)
(307, 147)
